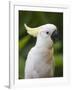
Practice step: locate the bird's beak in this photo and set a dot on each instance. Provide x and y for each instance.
(32, 31)
(54, 35)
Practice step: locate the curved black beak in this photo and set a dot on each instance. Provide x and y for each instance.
(54, 35)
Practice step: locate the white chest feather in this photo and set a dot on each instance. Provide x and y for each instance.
(39, 63)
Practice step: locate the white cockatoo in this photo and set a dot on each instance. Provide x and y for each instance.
(40, 59)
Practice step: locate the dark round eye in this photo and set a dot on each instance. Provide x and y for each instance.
(47, 32)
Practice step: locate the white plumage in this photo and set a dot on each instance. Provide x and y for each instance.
(40, 59)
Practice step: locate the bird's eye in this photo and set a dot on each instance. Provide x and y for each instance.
(47, 32)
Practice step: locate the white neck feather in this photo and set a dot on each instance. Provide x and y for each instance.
(42, 42)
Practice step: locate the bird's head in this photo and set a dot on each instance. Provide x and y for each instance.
(47, 31)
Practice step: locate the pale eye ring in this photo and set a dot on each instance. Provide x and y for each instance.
(47, 32)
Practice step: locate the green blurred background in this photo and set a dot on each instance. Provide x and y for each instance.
(26, 42)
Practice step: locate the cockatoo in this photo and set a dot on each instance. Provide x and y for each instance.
(40, 59)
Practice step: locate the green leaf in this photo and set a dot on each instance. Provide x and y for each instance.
(23, 42)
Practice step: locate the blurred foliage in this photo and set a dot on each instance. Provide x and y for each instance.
(26, 42)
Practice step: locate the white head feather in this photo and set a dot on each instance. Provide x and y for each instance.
(43, 33)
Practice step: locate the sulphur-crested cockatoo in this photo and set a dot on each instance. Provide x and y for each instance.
(40, 59)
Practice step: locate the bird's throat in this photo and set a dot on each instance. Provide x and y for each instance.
(41, 43)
